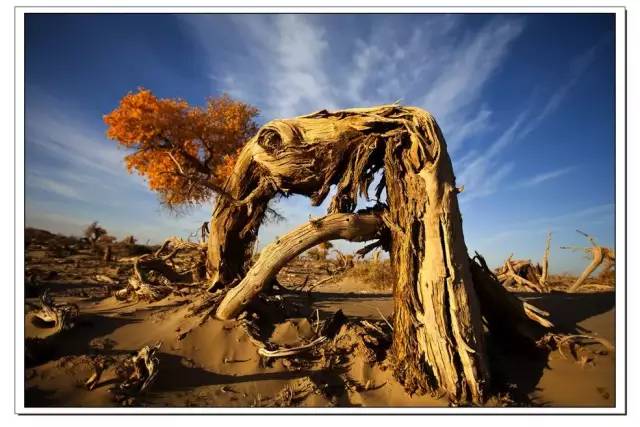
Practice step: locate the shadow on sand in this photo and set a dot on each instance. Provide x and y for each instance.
(518, 368)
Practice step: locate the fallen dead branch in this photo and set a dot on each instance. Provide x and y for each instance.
(284, 352)
(572, 344)
(100, 364)
(507, 314)
(524, 275)
(504, 313)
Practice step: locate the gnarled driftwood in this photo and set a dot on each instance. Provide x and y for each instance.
(438, 339)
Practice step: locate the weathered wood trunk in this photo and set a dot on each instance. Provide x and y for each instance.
(235, 222)
(438, 336)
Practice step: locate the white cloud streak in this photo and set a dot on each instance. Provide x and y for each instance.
(483, 174)
(543, 177)
(296, 64)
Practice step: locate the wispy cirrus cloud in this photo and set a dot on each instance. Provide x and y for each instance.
(69, 157)
(544, 177)
(289, 65)
(483, 173)
(53, 186)
(295, 64)
(55, 129)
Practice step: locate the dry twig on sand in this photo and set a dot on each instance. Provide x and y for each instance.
(267, 350)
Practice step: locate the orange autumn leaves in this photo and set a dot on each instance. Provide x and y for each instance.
(185, 152)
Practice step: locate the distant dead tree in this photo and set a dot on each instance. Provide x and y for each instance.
(129, 240)
(106, 242)
(599, 254)
(93, 232)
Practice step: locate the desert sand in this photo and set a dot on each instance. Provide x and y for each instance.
(205, 362)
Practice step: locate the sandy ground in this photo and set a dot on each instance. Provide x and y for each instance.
(216, 364)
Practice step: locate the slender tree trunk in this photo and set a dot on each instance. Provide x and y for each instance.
(107, 254)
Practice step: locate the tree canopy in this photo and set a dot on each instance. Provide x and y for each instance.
(185, 152)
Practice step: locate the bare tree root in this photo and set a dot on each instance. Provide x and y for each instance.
(598, 254)
(59, 316)
(269, 351)
(573, 345)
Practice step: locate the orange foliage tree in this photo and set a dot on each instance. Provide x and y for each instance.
(185, 152)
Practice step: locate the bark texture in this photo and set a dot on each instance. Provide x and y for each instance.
(438, 339)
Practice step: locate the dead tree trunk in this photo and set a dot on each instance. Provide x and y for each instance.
(545, 262)
(235, 222)
(351, 227)
(438, 343)
(438, 337)
(107, 254)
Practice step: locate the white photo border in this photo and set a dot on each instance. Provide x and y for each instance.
(620, 205)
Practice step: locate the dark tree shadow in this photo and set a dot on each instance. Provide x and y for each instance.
(517, 366)
(176, 376)
(35, 397)
(73, 342)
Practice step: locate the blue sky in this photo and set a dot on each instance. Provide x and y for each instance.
(526, 103)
